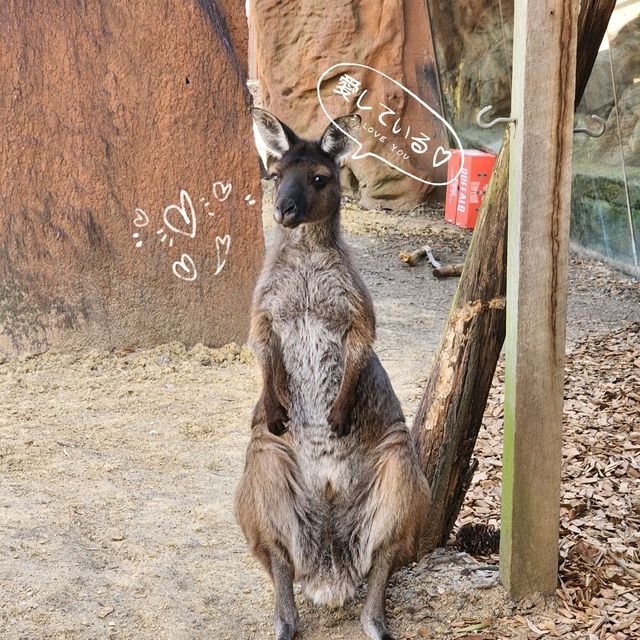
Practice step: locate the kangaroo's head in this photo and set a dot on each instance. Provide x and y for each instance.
(305, 173)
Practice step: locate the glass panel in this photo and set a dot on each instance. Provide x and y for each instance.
(474, 43)
(474, 40)
(606, 170)
(624, 38)
(600, 216)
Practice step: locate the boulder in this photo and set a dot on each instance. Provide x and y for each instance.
(118, 120)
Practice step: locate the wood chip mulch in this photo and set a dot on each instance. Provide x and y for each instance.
(599, 585)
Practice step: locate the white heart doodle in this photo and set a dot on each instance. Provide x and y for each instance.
(186, 212)
(141, 219)
(221, 190)
(222, 259)
(445, 152)
(185, 268)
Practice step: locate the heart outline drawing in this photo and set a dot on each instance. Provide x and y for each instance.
(185, 268)
(446, 152)
(223, 188)
(226, 242)
(186, 211)
(141, 219)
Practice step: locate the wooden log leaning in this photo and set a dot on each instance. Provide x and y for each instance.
(451, 409)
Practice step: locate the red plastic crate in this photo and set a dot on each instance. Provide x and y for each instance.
(464, 195)
(452, 188)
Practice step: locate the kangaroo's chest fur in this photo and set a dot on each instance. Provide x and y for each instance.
(310, 310)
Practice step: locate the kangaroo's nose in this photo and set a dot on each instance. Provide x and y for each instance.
(286, 211)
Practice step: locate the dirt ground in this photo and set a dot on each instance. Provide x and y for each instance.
(117, 472)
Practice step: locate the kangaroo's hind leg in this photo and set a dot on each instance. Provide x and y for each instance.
(286, 614)
(271, 508)
(393, 509)
(372, 617)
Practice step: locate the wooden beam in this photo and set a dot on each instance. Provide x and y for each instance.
(592, 25)
(542, 103)
(450, 412)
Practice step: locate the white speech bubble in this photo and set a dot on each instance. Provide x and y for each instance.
(357, 155)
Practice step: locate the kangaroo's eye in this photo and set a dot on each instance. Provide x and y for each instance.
(273, 176)
(319, 181)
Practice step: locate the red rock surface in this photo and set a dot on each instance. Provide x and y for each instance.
(105, 108)
(295, 41)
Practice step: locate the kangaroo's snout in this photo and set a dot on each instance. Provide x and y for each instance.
(286, 212)
(291, 206)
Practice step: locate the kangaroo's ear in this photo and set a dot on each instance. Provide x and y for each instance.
(277, 137)
(335, 142)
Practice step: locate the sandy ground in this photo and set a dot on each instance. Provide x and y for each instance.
(117, 473)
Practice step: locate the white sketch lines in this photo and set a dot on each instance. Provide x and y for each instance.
(222, 251)
(185, 268)
(141, 219)
(446, 156)
(249, 200)
(179, 222)
(206, 205)
(221, 191)
(180, 218)
(164, 237)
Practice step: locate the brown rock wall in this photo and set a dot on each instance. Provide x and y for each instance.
(106, 108)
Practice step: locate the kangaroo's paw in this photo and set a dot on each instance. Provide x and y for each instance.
(375, 628)
(286, 630)
(339, 422)
(277, 419)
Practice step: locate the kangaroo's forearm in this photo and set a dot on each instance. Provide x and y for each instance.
(358, 348)
(358, 344)
(268, 350)
(357, 354)
(274, 378)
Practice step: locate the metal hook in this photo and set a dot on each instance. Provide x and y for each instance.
(488, 125)
(593, 134)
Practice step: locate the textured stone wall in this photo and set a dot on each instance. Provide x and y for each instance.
(296, 40)
(117, 118)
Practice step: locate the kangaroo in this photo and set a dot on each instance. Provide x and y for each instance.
(331, 492)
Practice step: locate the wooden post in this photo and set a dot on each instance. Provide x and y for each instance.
(543, 94)
(450, 412)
